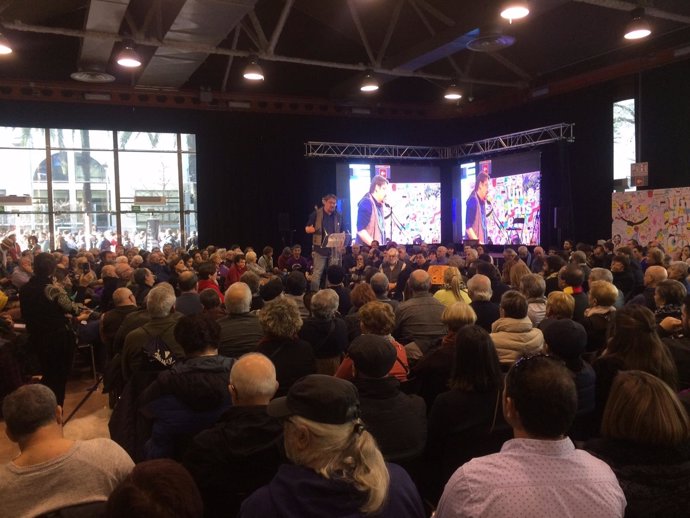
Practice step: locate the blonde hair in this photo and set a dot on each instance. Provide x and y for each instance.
(250, 257)
(457, 315)
(517, 272)
(604, 292)
(560, 305)
(643, 409)
(339, 451)
(453, 282)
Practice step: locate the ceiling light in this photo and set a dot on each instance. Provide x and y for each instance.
(5, 47)
(369, 84)
(128, 57)
(452, 93)
(253, 71)
(638, 27)
(515, 11)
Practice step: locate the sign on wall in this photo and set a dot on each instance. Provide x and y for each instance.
(661, 215)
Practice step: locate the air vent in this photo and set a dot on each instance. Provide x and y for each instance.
(490, 42)
(92, 76)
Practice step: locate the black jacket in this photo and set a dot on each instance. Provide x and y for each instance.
(396, 420)
(237, 456)
(293, 359)
(655, 480)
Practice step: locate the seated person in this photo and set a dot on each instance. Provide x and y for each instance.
(645, 438)
(156, 488)
(539, 472)
(396, 420)
(337, 468)
(192, 394)
(513, 334)
(243, 450)
(52, 472)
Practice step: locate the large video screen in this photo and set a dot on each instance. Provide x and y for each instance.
(513, 204)
(411, 210)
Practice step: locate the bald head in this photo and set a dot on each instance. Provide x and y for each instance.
(123, 297)
(252, 380)
(654, 275)
(238, 298)
(419, 282)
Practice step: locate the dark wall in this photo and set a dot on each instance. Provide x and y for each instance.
(254, 181)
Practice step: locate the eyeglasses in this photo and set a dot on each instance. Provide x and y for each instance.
(525, 359)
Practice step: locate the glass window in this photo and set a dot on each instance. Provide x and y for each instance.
(84, 208)
(624, 144)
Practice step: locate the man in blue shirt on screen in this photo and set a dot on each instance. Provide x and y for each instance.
(475, 215)
(370, 219)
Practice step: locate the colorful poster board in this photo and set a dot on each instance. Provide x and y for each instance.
(661, 215)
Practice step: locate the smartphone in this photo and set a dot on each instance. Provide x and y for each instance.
(85, 267)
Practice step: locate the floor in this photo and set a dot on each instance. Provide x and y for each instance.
(90, 421)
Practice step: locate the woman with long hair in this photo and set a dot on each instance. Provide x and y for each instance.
(633, 344)
(337, 468)
(467, 421)
(645, 438)
(454, 289)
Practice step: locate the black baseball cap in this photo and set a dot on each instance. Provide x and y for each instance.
(373, 355)
(320, 398)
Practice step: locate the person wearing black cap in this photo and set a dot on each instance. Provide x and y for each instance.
(337, 468)
(395, 419)
(567, 340)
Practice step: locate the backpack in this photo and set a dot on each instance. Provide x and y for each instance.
(157, 353)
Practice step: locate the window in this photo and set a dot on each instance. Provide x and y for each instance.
(624, 143)
(85, 170)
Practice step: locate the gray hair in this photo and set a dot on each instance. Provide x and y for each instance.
(160, 300)
(238, 298)
(532, 285)
(254, 376)
(678, 270)
(27, 409)
(324, 304)
(479, 288)
(280, 318)
(600, 274)
(379, 283)
(472, 254)
(419, 281)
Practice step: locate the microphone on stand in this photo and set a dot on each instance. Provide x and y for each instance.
(387, 205)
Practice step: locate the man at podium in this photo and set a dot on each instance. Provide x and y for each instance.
(322, 223)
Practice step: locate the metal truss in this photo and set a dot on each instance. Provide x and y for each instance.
(343, 150)
(510, 142)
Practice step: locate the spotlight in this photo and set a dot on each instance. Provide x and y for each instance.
(638, 27)
(253, 71)
(453, 93)
(515, 11)
(369, 84)
(5, 47)
(128, 57)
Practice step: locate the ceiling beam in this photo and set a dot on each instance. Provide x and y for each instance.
(360, 29)
(280, 26)
(103, 15)
(510, 65)
(621, 5)
(389, 32)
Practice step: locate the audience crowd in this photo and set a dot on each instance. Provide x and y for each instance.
(527, 383)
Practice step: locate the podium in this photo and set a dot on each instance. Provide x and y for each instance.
(336, 242)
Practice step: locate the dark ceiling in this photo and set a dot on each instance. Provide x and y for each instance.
(415, 47)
